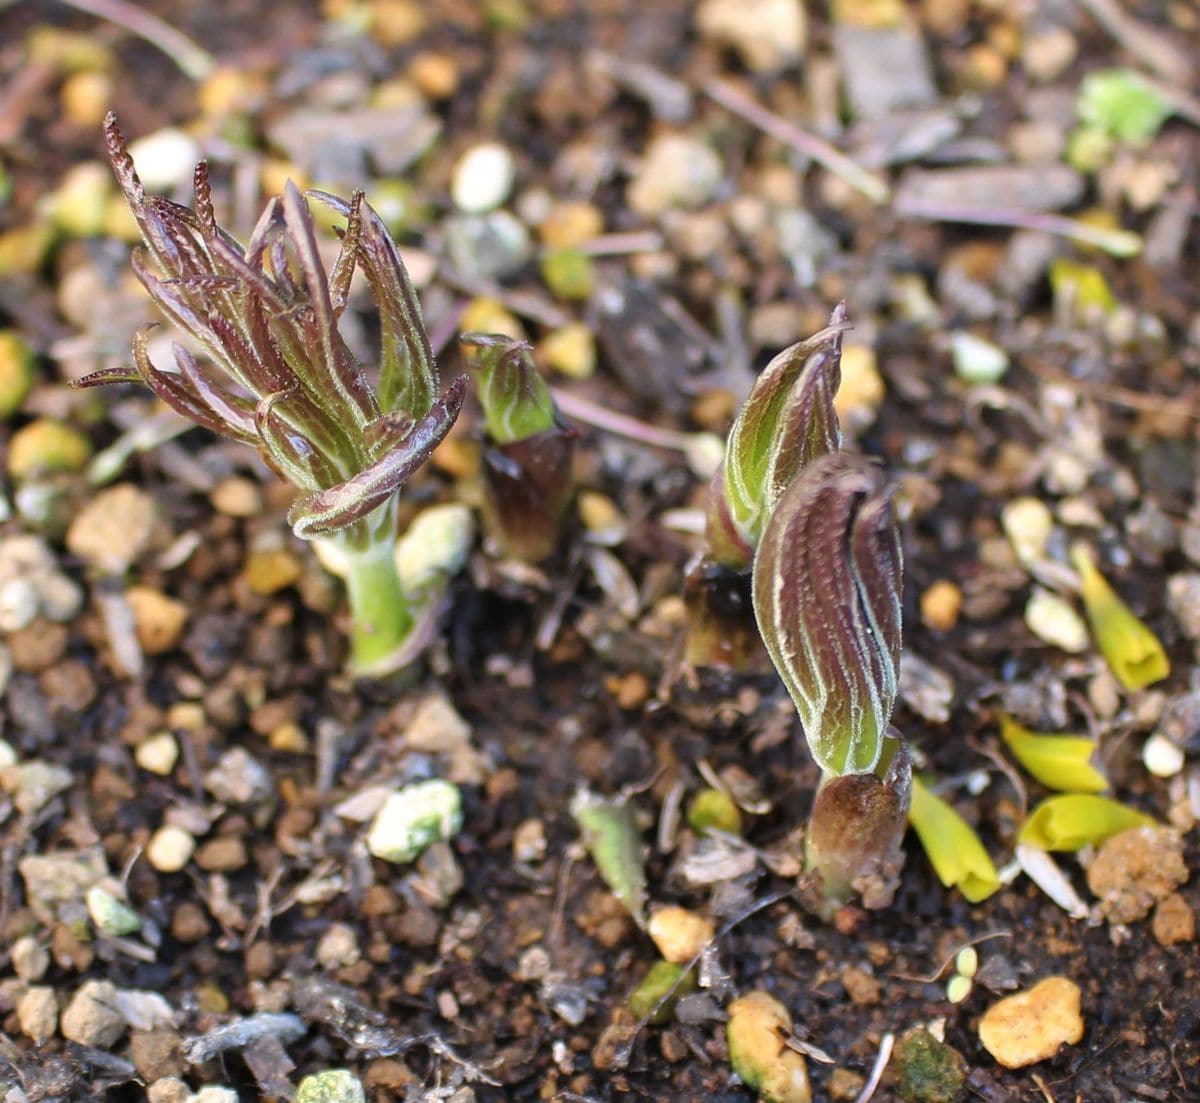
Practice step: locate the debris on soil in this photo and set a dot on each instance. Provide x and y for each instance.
(1029, 1026)
(1136, 869)
(927, 1070)
(757, 1032)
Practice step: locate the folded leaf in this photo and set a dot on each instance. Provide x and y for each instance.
(1072, 821)
(1061, 762)
(515, 399)
(827, 586)
(954, 850)
(1131, 650)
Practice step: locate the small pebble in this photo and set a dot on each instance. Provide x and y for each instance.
(30, 959)
(483, 178)
(1028, 523)
(18, 604)
(1046, 53)
(37, 1014)
(680, 934)
(767, 34)
(170, 1089)
(170, 849)
(331, 1086)
(160, 619)
(115, 529)
(225, 854)
(111, 915)
(237, 497)
(239, 778)
(977, 360)
(165, 159)
(941, 605)
(214, 1094)
(413, 818)
(338, 947)
(529, 841)
(18, 372)
(92, 1018)
(34, 784)
(1183, 600)
(1174, 921)
(676, 171)
(46, 446)
(270, 570)
(157, 754)
(1054, 621)
(570, 351)
(570, 224)
(862, 388)
(1028, 1027)
(1162, 757)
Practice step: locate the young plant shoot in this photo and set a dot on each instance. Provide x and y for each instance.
(827, 587)
(527, 466)
(787, 421)
(276, 374)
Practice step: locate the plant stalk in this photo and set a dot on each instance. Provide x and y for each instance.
(379, 610)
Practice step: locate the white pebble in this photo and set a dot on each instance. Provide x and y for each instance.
(1028, 524)
(165, 159)
(1162, 757)
(977, 360)
(157, 754)
(18, 604)
(1055, 621)
(170, 849)
(413, 818)
(483, 178)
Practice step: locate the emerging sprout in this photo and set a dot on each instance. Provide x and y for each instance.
(527, 468)
(277, 375)
(786, 423)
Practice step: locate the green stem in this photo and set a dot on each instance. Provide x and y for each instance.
(378, 607)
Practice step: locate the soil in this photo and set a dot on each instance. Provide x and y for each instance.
(498, 968)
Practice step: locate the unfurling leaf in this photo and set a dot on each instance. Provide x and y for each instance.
(787, 422)
(954, 850)
(1122, 103)
(516, 401)
(1076, 819)
(827, 588)
(1062, 762)
(1131, 650)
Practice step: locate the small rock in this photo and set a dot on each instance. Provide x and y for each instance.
(55, 884)
(30, 959)
(111, 915)
(1054, 621)
(487, 246)
(570, 350)
(160, 619)
(927, 1070)
(34, 784)
(115, 529)
(91, 1018)
(483, 178)
(1028, 1027)
(157, 754)
(437, 728)
(270, 570)
(239, 778)
(884, 69)
(1183, 599)
(1174, 921)
(529, 841)
(861, 986)
(940, 605)
(338, 947)
(169, 1089)
(214, 1094)
(18, 371)
(18, 604)
(37, 1014)
(767, 34)
(331, 1086)
(165, 159)
(1027, 523)
(1162, 757)
(225, 854)
(1047, 52)
(977, 360)
(862, 388)
(413, 818)
(676, 171)
(680, 934)
(237, 497)
(46, 446)
(1134, 870)
(569, 224)
(156, 1054)
(170, 849)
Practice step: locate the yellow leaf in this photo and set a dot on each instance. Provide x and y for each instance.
(1131, 650)
(1058, 761)
(1076, 819)
(957, 855)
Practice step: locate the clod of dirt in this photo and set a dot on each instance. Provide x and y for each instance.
(927, 1071)
(91, 1018)
(1136, 869)
(679, 934)
(1174, 921)
(160, 619)
(1028, 1027)
(37, 1014)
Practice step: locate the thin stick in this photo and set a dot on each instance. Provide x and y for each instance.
(881, 1061)
(1153, 48)
(196, 62)
(622, 425)
(1119, 243)
(827, 156)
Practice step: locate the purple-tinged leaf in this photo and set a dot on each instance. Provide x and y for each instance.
(235, 413)
(787, 421)
(827, 586)
(344, 375)
(339, 506)
(343, 267)
(105, 376)
(205, 214)
(407, 376)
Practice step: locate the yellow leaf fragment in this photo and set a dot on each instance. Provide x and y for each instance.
(1060, 762)
(1131, 650)
(957, 855)
(1073, 820)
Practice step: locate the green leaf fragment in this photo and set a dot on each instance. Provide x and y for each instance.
(660, 979)
(958, 857)
(1077, 819)
(1122, 103)
(613, 840)
(1062, 762)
